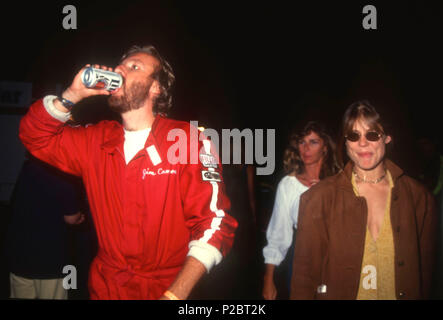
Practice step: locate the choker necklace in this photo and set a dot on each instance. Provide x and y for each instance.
(310, 181)
(369, 181)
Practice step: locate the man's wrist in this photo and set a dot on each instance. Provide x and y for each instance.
(57, 104)
(66, 103)
(70, 96)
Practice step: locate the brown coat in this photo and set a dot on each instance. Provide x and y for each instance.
(331, 237)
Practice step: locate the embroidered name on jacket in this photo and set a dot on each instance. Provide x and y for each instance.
(158, 172)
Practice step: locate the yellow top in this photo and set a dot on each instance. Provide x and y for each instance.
(377, 280)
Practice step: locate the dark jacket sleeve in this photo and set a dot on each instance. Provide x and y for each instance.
(310, 246)
(428, 236)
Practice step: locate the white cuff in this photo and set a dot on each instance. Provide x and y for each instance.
(273, 256)
(48, 102)
(205, 253)
(274, 261)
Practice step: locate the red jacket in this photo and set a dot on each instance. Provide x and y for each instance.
(146, 212)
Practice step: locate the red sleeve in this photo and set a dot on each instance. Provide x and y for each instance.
(52, 141)
(205, 202)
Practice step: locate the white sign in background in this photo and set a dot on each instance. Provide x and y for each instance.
(15, 94)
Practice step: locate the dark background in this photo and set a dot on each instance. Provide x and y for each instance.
(248, 64)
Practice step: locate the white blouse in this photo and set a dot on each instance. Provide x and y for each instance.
(284, 217)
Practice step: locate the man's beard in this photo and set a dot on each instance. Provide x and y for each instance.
(132, 98)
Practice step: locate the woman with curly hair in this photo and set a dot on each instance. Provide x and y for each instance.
(309, 157)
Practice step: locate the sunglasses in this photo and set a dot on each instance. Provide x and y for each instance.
(370, 136)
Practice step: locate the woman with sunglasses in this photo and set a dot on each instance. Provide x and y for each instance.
(369, 231)
(309, 157)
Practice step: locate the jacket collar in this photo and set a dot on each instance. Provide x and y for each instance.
(344, 179)
(116, 136)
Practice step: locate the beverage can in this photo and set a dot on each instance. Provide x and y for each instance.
(101, 79)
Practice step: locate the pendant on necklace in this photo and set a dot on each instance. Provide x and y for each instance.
(367, 180)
